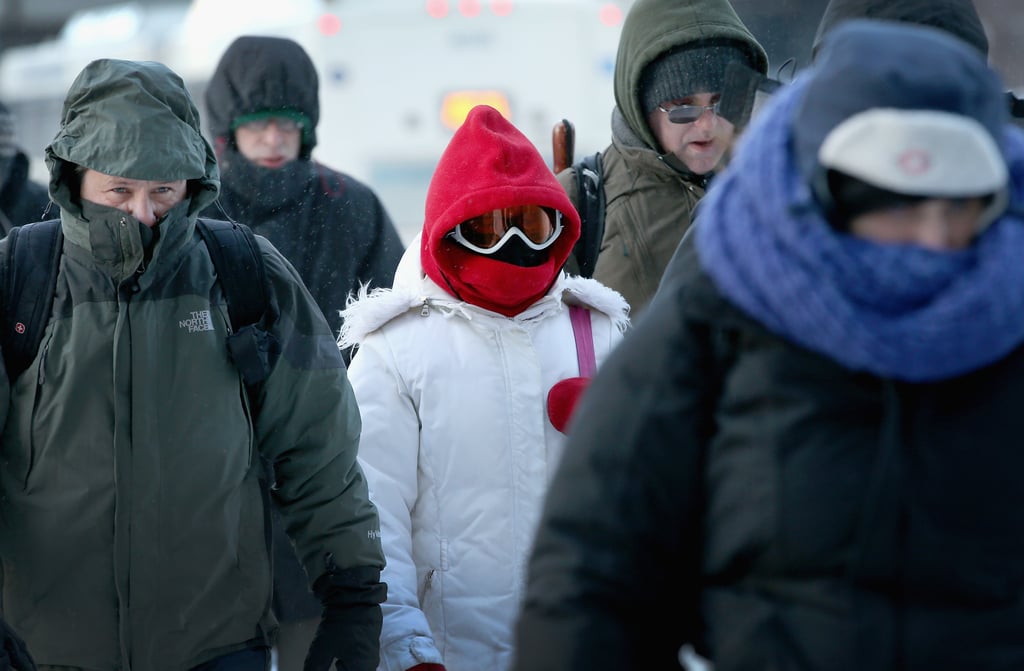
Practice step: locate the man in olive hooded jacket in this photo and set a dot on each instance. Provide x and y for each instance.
(672, 53)
(132, 514)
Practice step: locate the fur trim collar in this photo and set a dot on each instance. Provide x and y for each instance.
(368, 311)
(588, 291)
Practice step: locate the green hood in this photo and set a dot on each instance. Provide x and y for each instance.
(131, 119)
(653, 27)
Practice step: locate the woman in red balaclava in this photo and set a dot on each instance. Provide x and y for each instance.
(466, 373)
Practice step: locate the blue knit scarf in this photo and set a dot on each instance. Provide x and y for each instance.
(897, 311)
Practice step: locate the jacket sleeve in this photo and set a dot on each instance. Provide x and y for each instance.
(389, 453)
(308, 428)
(618, 544)
(385, 249)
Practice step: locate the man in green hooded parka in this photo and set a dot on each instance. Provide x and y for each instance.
(132, 513)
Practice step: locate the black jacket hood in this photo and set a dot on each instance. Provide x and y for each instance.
(258, 74)
(957, 17)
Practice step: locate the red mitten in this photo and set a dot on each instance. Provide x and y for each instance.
(562, 400)
(428, 667)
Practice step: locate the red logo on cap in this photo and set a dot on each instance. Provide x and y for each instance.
(914, 161)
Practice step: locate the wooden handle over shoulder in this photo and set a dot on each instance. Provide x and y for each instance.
(563, 145)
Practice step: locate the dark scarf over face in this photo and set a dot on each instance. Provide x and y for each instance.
(255, 193)
(897, 311)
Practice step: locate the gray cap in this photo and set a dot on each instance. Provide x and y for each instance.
(694, 68)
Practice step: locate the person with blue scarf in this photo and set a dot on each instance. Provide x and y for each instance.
(806, 453)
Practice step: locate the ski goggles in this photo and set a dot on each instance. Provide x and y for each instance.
(537, 226)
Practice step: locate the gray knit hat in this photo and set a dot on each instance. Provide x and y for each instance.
(694, 68)
(8, 147)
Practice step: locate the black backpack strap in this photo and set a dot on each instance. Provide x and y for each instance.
(30, 277)
(239, 264)
(591, 202)
(252, 347)
(236, 256)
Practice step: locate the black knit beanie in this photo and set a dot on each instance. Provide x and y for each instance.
(685, 71)
(957, 17)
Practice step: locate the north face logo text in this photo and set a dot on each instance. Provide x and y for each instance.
(198, 321)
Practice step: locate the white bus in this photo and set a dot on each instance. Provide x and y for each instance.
(396, 76)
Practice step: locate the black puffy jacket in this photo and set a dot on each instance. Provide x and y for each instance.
(725, 488)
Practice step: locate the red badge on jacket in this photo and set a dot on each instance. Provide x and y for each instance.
(562, 400)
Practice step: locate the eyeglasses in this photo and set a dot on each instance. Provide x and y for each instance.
(537, 226)
(284, 124)
(689, 113)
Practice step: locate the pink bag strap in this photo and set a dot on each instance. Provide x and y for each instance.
(580, 317)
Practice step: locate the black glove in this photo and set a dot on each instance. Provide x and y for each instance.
(349, 630)
(13, 653)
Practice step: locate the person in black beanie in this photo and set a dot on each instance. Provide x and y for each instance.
(668, 137)
(263, 109)
(22, 201)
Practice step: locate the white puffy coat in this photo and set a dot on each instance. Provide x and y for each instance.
(458, 451)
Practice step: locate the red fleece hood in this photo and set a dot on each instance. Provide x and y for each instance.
(490, 164)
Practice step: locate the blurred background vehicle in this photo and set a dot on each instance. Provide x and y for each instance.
(396, 76)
